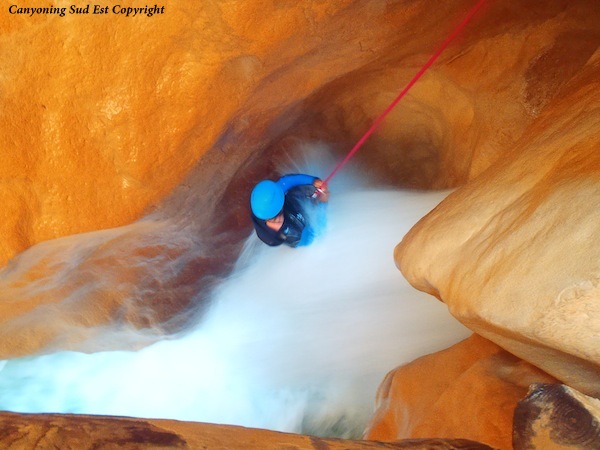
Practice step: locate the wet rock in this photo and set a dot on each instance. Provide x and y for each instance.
(43, 431)
(556, 416)
(511, 252)
(468, 390)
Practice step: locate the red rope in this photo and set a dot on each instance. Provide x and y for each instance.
(427, 65)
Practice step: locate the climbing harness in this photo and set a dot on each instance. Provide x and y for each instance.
(410, 84)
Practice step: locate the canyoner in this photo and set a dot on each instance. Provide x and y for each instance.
(277, 218)
(290, 210)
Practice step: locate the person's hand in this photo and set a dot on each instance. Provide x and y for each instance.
(322, 190)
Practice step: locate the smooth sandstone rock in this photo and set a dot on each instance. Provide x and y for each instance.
(470, 390)
(32, 431)
(512, 253)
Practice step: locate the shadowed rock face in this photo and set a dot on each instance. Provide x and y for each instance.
(158, 126)
(556, 416)
(92, 432)
(47, 431)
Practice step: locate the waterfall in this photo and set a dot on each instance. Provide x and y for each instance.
(294, 340)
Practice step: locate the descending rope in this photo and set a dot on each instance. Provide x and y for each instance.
(427, 65)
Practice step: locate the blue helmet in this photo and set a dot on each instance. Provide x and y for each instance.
(267, 199)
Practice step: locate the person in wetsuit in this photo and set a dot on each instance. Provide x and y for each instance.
(279, 209)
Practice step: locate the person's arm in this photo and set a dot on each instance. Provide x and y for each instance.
(287, 182)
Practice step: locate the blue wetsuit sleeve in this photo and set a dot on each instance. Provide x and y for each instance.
(287, 182)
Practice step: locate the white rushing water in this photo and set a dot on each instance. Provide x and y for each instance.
(295, 340)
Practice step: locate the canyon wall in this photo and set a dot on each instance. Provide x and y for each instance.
(104, 116)
(512, 254)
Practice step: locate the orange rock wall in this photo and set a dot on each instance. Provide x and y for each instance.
(512, 252)
(102, 116)
(88, 432)
(468, 390)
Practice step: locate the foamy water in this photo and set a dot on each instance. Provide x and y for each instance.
(296, 339)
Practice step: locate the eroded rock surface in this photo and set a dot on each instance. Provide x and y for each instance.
(43, 431)
(469, 390)
(513, 254)
(556, 416)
